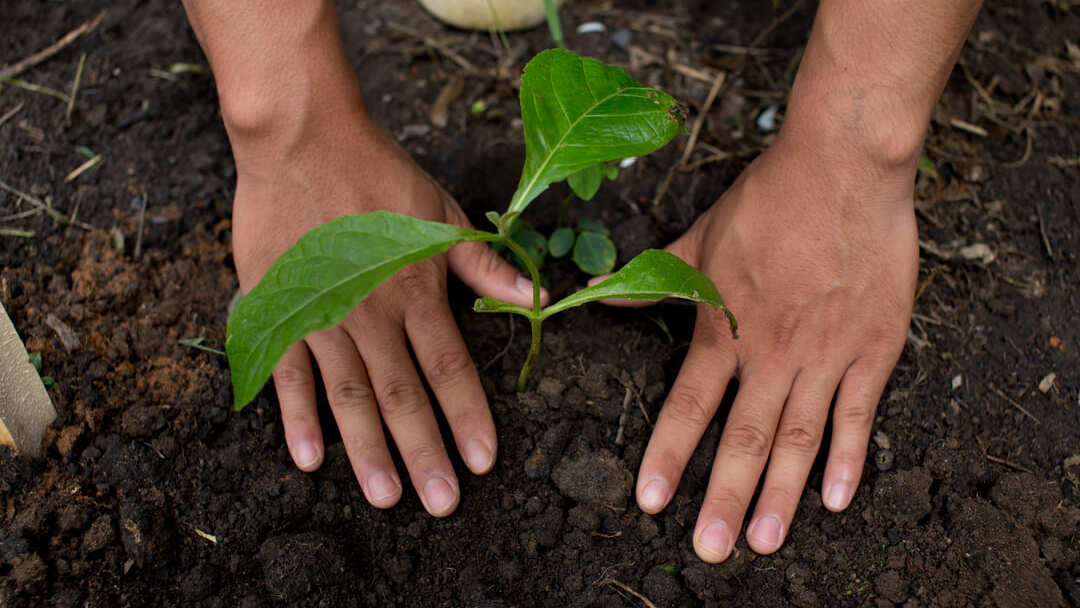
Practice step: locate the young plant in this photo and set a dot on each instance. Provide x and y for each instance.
(577, 114)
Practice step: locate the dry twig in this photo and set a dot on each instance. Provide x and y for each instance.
(644, 600)
(25, 64)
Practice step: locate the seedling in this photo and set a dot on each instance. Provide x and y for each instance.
(577, 114)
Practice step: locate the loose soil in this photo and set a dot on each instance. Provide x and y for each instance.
(154, 492)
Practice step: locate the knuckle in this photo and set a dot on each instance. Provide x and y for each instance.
(783, 332)
(291, 377)
(799, 436)
(350, 394)
(724, 500)
(425, 456)
(855, 416)
(416, 282)
(402, 399)
(748, 439)
(448, 367)
(687, 406)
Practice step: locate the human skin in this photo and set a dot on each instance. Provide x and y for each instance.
(814, 247)
(306, 152)
(815, 250)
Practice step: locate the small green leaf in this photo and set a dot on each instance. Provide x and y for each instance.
(534, 243)
(587, 225)
(48, 381)
(560, 242)
(652, 275)
(927, 168)
(610, 171)
(594, 253)
(319, 281)
(577, 112)
(35, 359)
(667, 568)
(586, 182)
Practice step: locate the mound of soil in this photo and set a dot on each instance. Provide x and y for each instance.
(154, 492)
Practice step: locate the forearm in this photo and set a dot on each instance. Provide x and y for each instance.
(872, 72)
(279, 65)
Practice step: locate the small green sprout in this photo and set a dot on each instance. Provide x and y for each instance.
(578, 114)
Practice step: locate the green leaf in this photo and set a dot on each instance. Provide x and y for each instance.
(588, 225)
(610, 171)
(927, 168)
(586, 182)
(594, 253)
(35, 360)
(578, 112)
(315, 284)
(534, 243)
(652, 275)
(560, 242)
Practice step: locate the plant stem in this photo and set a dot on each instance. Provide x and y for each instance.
(534, 319)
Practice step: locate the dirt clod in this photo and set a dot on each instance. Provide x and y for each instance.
(596, 477)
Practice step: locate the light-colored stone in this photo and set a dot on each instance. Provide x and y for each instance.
(506, 15)
(25, 407)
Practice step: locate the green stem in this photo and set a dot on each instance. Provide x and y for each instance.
(534, 318)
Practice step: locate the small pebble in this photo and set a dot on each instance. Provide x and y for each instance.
(591, 27)
(884, 460)
(622, 39)
(881, 440)
(1047, 383)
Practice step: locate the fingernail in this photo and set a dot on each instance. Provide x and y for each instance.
(477, 455)
(307, 454)
(838, 496)
(383, 487)
(765, 532)
(714, 542)
(524, 285)
(654, 495)
(439, 496)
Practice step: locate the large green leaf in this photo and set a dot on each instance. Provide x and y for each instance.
(651, 275)
(578, 112)
(315, 284)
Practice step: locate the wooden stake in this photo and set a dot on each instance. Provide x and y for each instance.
(25, 407)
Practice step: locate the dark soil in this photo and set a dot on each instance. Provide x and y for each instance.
(154, 492)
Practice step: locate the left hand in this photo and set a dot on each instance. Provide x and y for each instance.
(816, 254)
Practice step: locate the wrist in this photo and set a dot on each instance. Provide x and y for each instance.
(281, 72)
(867, 124)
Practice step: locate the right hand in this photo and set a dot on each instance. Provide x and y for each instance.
(294, 177)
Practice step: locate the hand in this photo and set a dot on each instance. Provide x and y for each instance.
(294, 180)
(816, 254)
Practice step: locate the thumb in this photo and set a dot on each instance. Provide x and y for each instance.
(484, 271)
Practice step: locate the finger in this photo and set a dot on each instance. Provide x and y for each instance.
(686, 414)
(856, 403)
(485, 271)
(357, 414)
(451, 374)
(794, 449)
(404, 406)
(295, 384)
(740, 458)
